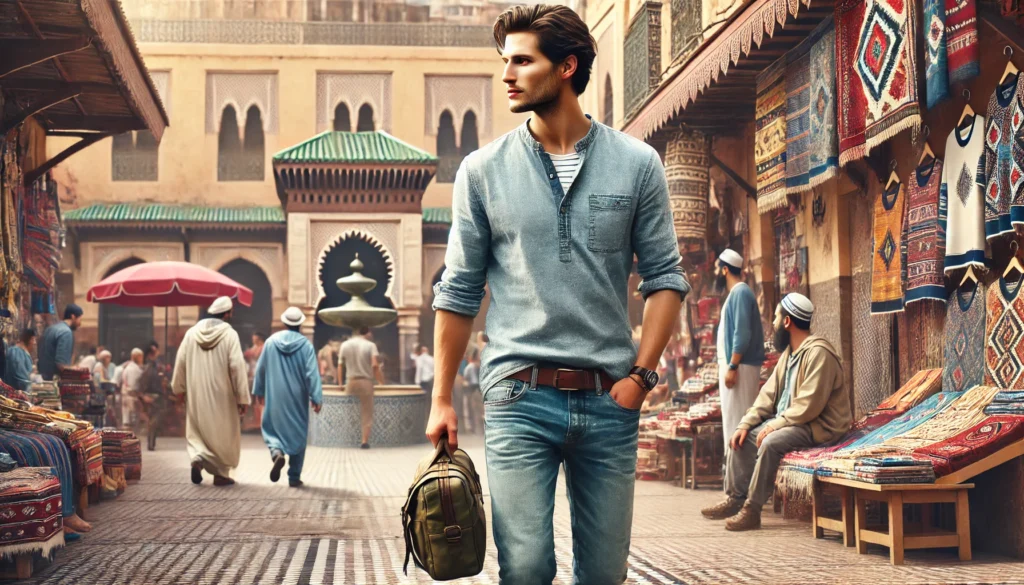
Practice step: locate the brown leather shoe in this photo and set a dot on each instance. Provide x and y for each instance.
(220, 481)
(749, 518)
(723, 510)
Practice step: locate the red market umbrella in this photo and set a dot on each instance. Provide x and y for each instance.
(167, 284)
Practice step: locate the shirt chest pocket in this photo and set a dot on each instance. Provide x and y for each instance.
(610, 219)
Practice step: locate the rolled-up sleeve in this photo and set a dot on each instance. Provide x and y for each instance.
(654, 236)
(461, 289)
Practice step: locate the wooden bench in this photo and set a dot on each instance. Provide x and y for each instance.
(856, 495)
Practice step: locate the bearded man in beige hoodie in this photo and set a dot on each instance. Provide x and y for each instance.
(804, 403)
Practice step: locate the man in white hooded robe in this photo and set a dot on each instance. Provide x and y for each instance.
(210, 372)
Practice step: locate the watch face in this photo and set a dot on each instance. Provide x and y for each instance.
(651, 378)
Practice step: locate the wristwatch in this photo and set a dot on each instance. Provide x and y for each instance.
(648, 378)
(734, 367)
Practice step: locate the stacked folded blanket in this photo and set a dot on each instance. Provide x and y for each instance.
(1006, 402)
(881, 470)
(45, 394)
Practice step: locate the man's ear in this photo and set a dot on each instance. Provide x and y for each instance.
(569, 67)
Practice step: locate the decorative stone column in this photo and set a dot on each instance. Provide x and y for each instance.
(309, 325)
(408, 335)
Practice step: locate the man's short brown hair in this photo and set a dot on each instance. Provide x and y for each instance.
(560, 32)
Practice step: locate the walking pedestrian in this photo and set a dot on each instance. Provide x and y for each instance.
(286, 384)
(18, 367)
(359, 354)
(209, 372)
(562, 381)
(58, 342)
(153, 392)
(474, 406)
(130, 389)
(424, 377)
(740, 342)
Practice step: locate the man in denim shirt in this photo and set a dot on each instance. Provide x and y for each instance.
(550, 217)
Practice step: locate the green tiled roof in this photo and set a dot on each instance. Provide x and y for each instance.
(160, 213)
(437, 215)
(354, 147)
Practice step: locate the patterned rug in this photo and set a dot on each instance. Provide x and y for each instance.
(962, 40)
(1000, 167)
(887, 265)
(926, 238)
(770, 137)
(30, 512)
(824, 150)
(687, 169)
(973, 444)
(1004, 350)
(935, 73)
(877, 83)
(964, 347)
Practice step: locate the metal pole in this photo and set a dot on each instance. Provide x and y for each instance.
(165, 330)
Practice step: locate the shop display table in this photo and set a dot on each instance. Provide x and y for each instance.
(856, 495)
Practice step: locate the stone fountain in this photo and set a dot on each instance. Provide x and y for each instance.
(399, 412)
(357, 312)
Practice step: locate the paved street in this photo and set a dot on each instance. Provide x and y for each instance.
(344, 527)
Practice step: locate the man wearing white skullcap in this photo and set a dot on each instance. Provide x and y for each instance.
(804, 403)
(740, 341)
(210, 372)
(287, 383)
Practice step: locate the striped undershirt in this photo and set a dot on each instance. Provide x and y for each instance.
(566, 165)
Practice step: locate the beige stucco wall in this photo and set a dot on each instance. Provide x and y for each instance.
(188, 154)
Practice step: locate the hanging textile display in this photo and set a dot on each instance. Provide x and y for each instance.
(925, 235)
(770, 137)
(824, 149)
(1011, 9)
(935, 74)
(998, 173)
(887, 263)
(1016, 177)
(877, 68)
(964, 347)
(1004, 350)
(962, 40)
(687, 169)
(810, 109)
(41, 241)
(961, 197)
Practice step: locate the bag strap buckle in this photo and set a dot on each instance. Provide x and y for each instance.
(453, 533)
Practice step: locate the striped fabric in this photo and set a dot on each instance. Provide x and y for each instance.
(566, 166)
(39, 450)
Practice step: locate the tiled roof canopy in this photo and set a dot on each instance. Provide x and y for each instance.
(354, 147)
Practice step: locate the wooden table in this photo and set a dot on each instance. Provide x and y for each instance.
(855, 496)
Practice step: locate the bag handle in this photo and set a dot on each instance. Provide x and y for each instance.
(443, 448)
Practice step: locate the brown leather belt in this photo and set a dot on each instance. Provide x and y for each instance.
(565, 378)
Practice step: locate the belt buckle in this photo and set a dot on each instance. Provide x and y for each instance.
(559, 371)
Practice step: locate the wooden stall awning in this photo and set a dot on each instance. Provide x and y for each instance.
(714, 89)
(74, 66)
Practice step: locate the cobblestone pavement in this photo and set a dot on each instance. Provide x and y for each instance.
(344, 527)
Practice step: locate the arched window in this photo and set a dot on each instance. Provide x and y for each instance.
(240, 158)
(469, 139)
(229, 145)
(342, 119)
(365, 123)
(447, 150)
(134, 157)
(609, 102)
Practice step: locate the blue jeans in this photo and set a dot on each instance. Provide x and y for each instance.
(529, 433)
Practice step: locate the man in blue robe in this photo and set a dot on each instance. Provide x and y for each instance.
(287, 381)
